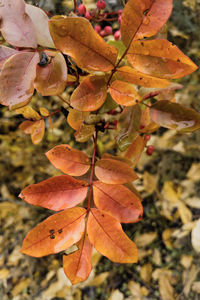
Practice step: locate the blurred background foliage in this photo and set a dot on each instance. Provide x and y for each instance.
(168, 235)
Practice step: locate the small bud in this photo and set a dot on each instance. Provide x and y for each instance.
(97, 28)
(101, 4)
(108, 30)
(82, 9)
(88, 15)
(147, 137)
(102, 33)
(150, 150)
(117, 35)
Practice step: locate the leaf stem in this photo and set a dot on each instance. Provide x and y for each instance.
(75, 6)
(92, 170)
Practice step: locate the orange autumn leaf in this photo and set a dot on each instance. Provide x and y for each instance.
(114, 172)
(84, 133)
(124, 93)
(56, 193)
(131, 75)
(134, 151)
(76, 37)
(90, 94)
(56, 233)
(26, 126)
(160, 58)
(118, 201)
(68, 160)
(75, 118)
(144, 18)
(52, 79)
(77, 265)
(107, 236)
(37, 131)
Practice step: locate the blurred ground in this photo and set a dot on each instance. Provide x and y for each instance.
(169, 235)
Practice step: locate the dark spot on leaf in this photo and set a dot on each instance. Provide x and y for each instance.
(142, 43)
(52, 231)
(103, 215)
(178, 60)
(60, 231)
(146, 12)
(140, 78)
(52, 236)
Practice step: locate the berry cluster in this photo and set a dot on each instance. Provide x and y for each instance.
(107, 30)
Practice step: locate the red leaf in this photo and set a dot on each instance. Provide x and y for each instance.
(159, 58)
(56, 193)
(52, 79)
(77, 265)
(17, 77)
(16, 26)
(56, 233)
(90, 94)
(118, 201)
(107, 236)
(68, 160)
(76, 37)
(114, 172)
(144, 18)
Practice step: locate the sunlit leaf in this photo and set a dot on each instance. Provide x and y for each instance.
(175, 116)
(75, 118)
(84, 133)
(17, 77)
(131, 75)
(114, 172)
(160, 58)
(117, 201)
(68, 160)
(56, 233)
(56, 193)
(41, 26)
(76, 37)
(16, 26)
(130, 127)
(134, 151)
(52, 79)
(77, 265)
(28, 112)
(143, 18)
(5, 53)
(124, 93)
(90, 94)
(37, 131)
(107, 236)
(118, 158)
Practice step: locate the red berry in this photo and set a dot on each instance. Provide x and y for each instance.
(88, 15)
(150, 150)
(148, 137)
(115, 123)
(117, 35)
(97, 28)
(102, 33)
(119, 19)
(81, 9)
(108, 30)
(101, 4)
(142, 127)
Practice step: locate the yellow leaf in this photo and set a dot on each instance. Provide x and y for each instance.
(186, 260)
(196, 237)
(145, 272)
(149, 182)
(189, 277)
(165, 288)
(166, 237)
(145, 239)
(116, 295)
(44, 112)
(20, 287)
(99, 279)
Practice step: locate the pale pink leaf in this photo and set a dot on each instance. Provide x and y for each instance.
(16, 26)
(17, 78)
(5, 53)
(40, 21)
